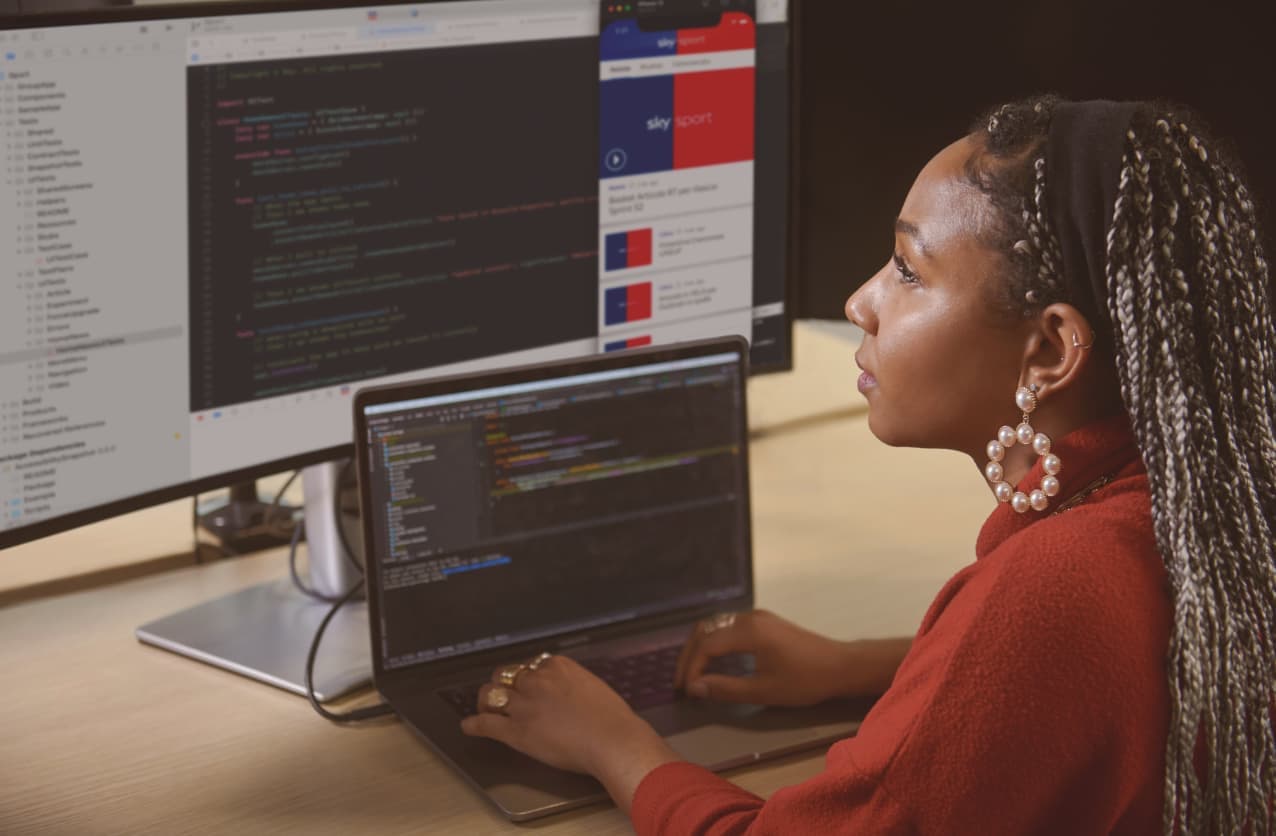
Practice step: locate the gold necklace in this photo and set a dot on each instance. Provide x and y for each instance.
(1081, 495)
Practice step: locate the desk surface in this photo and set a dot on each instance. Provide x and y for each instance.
(104, 735)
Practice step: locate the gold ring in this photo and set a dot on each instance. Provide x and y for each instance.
(508, 675)
(721, 621)
(538, 661)
(498, 699)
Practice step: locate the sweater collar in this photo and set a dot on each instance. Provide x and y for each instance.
(1104, 447)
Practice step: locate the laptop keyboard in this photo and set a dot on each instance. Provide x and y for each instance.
(644, 679)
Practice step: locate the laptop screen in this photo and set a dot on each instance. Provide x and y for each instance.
(507, 514)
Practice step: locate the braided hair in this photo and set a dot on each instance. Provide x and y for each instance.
(1191, 303)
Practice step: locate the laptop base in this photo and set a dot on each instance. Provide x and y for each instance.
(596, 508)
(717, 736)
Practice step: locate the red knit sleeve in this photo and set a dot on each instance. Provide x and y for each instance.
(679, 798)
(683, 798)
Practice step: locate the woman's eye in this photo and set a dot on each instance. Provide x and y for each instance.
(906, 275)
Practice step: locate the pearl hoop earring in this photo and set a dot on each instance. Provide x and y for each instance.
(1038, 500)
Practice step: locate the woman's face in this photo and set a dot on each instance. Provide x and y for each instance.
(940, 368)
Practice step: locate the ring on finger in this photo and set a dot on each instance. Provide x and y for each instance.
(497, 699)
(508, 675)
(720, 621)
(539, 660)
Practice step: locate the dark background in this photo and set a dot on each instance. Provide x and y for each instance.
(885, 85)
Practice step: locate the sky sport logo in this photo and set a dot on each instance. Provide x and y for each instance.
(686, 120)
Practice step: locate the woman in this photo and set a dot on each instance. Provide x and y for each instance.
(1092, 271)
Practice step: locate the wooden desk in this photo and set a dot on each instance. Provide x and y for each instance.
(104, 735)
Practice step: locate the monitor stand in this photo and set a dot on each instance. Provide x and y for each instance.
(264, 632)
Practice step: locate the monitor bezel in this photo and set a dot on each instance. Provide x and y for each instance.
(123, 14)
(376, 395)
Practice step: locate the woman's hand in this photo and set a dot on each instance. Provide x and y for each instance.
(567, 717)
(793, 666)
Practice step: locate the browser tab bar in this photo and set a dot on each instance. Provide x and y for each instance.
(379, 35)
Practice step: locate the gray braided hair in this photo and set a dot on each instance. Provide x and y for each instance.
(1191, 299)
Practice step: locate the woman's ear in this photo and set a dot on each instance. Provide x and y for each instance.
(1058, 350)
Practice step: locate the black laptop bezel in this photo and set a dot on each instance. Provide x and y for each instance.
(521, 374)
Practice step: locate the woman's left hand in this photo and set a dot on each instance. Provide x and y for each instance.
(567, 717)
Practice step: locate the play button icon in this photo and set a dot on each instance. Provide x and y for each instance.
(616, 159)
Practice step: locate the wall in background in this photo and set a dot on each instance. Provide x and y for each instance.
(887, 85)
(884, 86)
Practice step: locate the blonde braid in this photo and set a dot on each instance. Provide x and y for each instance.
(1190, 299)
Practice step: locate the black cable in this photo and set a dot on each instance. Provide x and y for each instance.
(358, 714)
(297, 532)
(267, 519)
(296, 576)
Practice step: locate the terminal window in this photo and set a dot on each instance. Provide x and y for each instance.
(584, 502)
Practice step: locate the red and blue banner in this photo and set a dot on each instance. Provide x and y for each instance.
(677, 121)
(632, 342)
(630, 303)
(628, 249)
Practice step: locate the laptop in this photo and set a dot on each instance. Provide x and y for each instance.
(596, 508)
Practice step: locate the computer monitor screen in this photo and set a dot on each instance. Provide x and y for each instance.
(505, 512)
(218, 227)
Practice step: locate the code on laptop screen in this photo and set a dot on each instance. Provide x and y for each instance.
(514, 513)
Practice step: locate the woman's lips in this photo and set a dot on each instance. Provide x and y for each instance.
(866, 382)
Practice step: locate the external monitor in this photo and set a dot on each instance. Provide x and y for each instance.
(222, 220)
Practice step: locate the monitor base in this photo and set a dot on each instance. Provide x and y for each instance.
(264, 632)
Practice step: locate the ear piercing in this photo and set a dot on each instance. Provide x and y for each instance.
(1007, 437)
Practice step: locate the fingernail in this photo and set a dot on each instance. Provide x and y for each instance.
(699, 688)
(466, 724)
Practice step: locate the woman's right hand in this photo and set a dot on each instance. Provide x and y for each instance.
(793, 666)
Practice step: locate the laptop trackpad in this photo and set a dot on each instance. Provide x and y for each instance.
(719, 735)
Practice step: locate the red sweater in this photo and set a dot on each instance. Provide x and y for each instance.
(1033, 698)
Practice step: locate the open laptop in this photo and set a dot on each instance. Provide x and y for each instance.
(597, 508)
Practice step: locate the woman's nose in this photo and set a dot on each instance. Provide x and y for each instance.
(860, 306)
